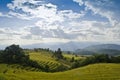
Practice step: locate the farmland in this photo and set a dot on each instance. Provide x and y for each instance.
(91, 72)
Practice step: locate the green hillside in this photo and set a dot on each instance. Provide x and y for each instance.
(45, 58)
(90, 72)
(52, 68)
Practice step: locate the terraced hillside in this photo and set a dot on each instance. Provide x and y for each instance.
(44, 58)
(101, 71)
(90, 72)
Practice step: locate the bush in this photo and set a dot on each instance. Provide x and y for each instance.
(96, 58)
(115, 59)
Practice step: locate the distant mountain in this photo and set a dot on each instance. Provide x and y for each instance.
(83, 52)
(103, 46)
(111, 49)
(69, 46)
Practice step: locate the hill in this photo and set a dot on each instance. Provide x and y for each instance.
(45, 58)
(111, 49)
(90, 72)
(56, 68)
(103, 46)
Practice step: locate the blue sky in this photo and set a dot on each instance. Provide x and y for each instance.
(43, 21)
(67, 4)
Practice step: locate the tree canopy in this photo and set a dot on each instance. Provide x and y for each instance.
(14, 54)
(58, 54)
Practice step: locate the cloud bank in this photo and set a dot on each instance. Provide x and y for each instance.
(44, 22)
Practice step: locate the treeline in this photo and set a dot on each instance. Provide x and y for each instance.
(37, 50)
(96, 58)
(14, 54)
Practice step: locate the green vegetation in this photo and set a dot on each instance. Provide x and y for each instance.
(14, 54)
(90, 72)
(45, 59)
(39, 64)
(96, 58)
(58, 54)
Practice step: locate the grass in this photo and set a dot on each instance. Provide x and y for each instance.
(90, 72)
(42, 56)
(45, 58)
(102, 71)
(69, 56)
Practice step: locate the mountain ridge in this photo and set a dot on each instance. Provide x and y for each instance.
(111, 49)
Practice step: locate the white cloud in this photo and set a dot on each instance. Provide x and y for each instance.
(79, 1)
(18, 15)
(33, 9)
(71, 15)
(42, 11)
(60, 25)
(0, 14)
(101, 11)
(4, 15)
(101, 30)
(105, 8)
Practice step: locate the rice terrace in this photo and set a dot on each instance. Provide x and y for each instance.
(59, 39)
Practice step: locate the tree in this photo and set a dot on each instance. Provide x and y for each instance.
(72, 59)
(101, 58)
(14, 54)
(115, 59)
(1, 57)
(58, 54)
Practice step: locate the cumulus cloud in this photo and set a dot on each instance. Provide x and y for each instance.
(66, 25)
(30, 9)
(105, 8)
(48, 33)
(34, 9)
(79, 1)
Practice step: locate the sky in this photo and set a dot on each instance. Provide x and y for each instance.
(27, 22)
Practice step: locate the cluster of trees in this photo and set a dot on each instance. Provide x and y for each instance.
(37, 50)
(58, 54)
(96, 58)
(41, 49)
(14, 54)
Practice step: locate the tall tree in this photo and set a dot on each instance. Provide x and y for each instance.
(58, 54)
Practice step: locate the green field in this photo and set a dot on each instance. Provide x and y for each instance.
(45, 58)
(101, 71)
(90, 72)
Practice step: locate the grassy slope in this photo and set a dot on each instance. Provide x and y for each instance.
(42, 56)
(90, 72)
(45, 58)
(69, 56)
